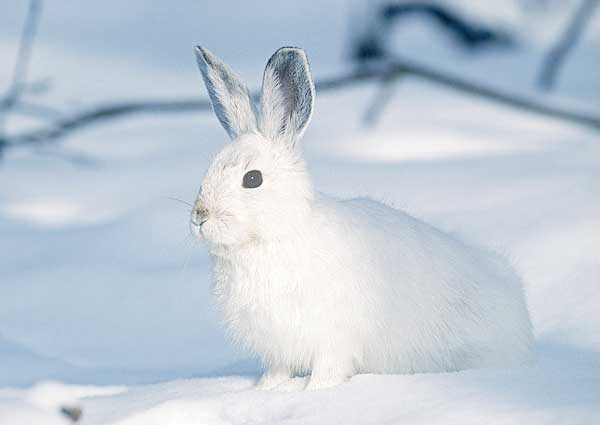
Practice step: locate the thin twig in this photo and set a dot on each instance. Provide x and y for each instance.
(491, 94)
(468, 33)
(557, 55)
(19, 76)
(105, 112)
(381, 100)
(371, 43)
(37, 110)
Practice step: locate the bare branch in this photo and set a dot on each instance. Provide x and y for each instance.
(371, 43)
(32, 109)
(19, 76)
(468, 33)
(381, 100)
(557, 55)
(113, 111)
(106, 112)
(498, 96)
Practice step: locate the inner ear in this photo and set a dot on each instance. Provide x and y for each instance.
(288, 95)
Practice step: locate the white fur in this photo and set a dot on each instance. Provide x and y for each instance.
(330, 288)
(230, 97)
(287, 75)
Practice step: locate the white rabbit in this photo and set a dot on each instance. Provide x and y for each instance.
(314, 285)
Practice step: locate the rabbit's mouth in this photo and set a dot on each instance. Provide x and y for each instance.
(210, 229)
(198, 219)
(196, 229)
(199, 216)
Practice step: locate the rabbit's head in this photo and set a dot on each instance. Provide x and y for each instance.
(257, 188)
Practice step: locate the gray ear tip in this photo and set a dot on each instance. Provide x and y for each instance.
(199, 50)
(290, 55)
(292, 51)
(203, 56)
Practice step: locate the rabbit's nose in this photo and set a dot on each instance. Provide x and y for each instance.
(199, 216)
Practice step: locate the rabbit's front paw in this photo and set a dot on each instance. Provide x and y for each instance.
(327, 374)
(319, 382)
(273, 378)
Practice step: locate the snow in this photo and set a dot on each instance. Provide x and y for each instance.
(104, 297)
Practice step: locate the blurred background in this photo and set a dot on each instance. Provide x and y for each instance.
(480, 117)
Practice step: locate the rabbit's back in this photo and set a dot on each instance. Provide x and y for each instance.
(372, 282)
(437, 303)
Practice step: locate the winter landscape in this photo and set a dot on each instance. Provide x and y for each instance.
(105, 299)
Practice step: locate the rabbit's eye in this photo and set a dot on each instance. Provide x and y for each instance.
(252, 179)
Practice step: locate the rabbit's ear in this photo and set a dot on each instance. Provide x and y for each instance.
(288, 95)
(229, 96)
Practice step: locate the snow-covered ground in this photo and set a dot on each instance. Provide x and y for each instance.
(104, 297)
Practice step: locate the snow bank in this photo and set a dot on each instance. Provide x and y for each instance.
(101, 286)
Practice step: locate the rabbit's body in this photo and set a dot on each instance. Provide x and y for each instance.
(332, 288)
(366, 288)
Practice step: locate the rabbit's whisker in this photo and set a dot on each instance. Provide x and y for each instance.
(180, 200)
